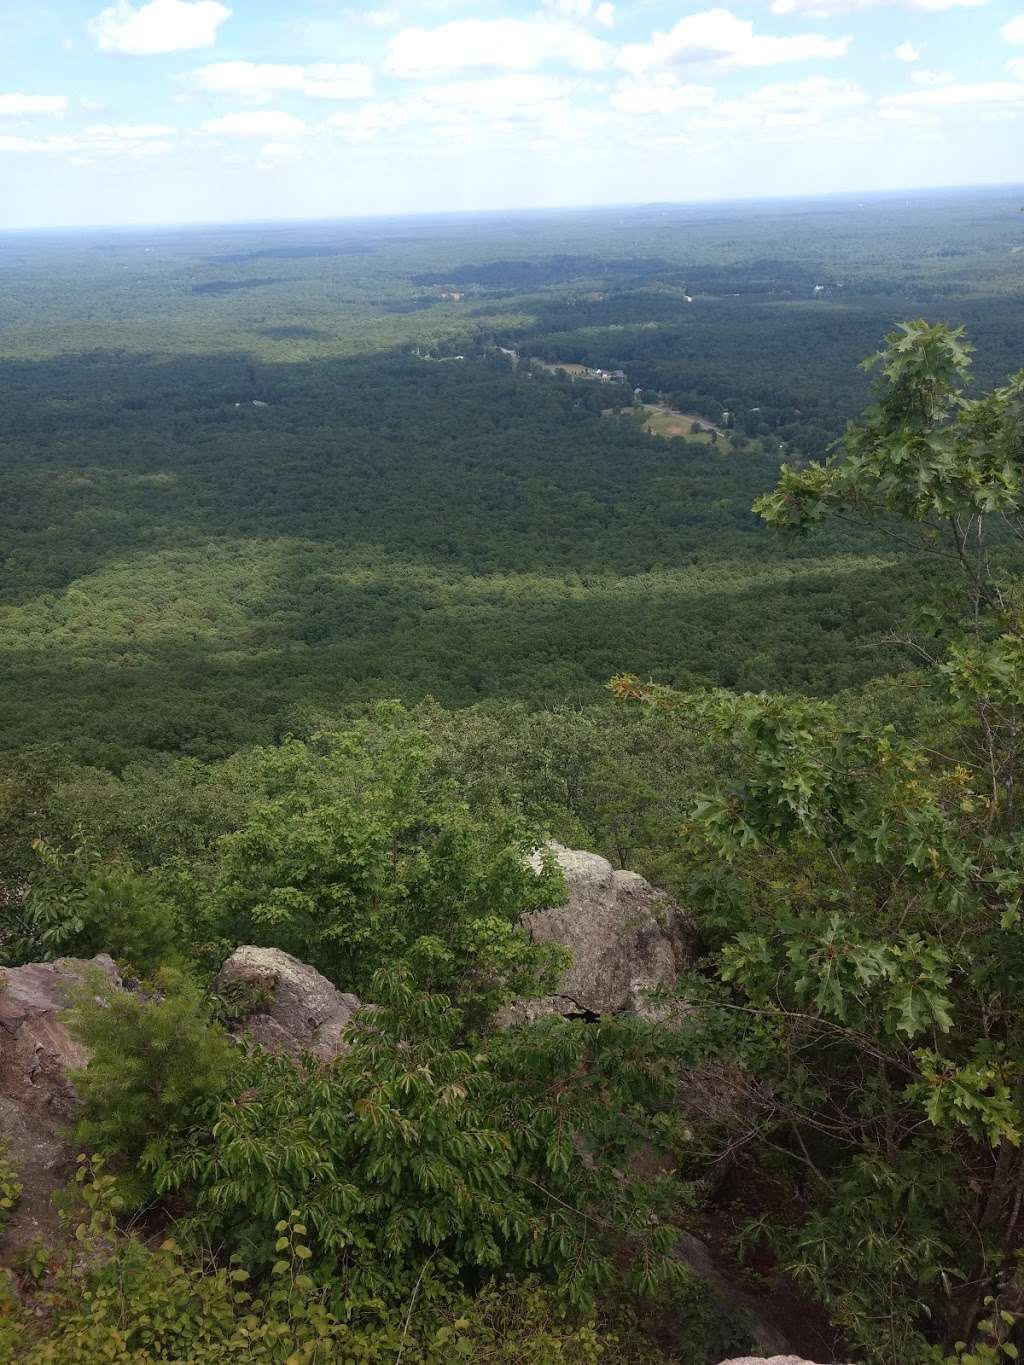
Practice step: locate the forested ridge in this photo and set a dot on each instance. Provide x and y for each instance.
(323, 609)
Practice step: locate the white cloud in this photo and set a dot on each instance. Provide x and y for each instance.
(483, 107)
(1013, 32)
(500, 93)
(130, 132)
(569, 9)
(786, 104)
(660, 97)
(256, 123)
(603, 14)
(12, 106)
(1016, 67)
(259, 81)
(493, 44)
(376, 18)
(718, 36)
(372, 119)
(931, 78)
(914, 118)
(906, 52)
(983, 95)
(530, 109)
(159, 26)
(101, 139)
(279, 151)
(821, 9)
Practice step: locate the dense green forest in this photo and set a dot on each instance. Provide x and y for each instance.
(322, 607)
(236, 499)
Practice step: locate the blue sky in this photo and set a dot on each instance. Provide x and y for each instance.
(161, 111)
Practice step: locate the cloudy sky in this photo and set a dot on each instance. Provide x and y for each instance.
(159, 111)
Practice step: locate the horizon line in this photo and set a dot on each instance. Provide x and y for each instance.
(186, 225)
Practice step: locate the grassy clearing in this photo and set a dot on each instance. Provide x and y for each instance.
(562, 367)
(660, 420)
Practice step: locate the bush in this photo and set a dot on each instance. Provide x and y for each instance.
(116, 1300)
(364, 854)
(158, 1063)
(514, 1156)
(10, 1186)
(80, 905)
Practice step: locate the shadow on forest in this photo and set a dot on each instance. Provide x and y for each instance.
(194, 546)
(195, 680)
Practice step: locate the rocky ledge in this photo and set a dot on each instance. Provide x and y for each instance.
(37, 1100)
(626, 938)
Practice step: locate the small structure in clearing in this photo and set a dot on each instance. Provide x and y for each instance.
(575, 371)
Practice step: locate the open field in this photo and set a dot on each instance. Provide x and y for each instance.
(658, 419)
(563, 367)
(662, 420)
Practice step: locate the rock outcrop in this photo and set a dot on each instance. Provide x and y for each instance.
(294, 1010)
(37, 1100)
(767, 1360)
(625, 935)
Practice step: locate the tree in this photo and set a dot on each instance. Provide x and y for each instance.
(365, 854)
(157, 1063)
(867, 887)
(82, 904)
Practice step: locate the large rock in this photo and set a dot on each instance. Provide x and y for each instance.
(625, 935)
(294, 1010)
(37, 1101)
(767, 1360)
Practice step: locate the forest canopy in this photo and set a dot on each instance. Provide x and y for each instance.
(323, 615)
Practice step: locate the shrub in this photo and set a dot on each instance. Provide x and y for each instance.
(81, 904)
(158, 1063)
(10, 1186)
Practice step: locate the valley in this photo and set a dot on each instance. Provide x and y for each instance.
(509, 796)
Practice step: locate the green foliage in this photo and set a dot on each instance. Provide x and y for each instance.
(150, 1306)
(11, 1186)
(992, 1345)
(365, 854)
(926, 452)
(157, 1063)
(80, 905)
(115, 1299)
(867, 894)
(224, 574)
(512, 1155)
(883, 1227)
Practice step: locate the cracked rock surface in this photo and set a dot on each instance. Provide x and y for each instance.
(299, 1010)
(37, 1100)
(625, 936)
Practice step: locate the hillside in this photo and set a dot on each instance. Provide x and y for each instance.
(486, 871)
(237, 500)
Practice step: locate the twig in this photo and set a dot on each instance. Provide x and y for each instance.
(412, 1304)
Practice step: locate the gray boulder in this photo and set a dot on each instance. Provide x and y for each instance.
(295, 1009)
(767, 1360)
(37, 1101)
(625, 935)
